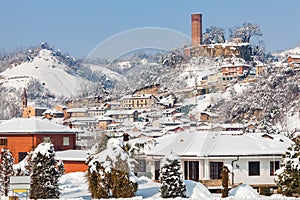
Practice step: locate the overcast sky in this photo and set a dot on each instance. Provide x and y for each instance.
(77, 27)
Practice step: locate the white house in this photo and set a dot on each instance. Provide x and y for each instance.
(252, 159)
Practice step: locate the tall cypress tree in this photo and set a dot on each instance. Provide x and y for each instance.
(44, 173)
(6, 170)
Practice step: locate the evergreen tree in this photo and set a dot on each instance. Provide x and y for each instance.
(44, 172)
(288, 180)
(109, 172)
(97, 181)
(6, 170)
(171, 181)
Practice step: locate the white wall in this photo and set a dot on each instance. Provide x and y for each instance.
(240, 174)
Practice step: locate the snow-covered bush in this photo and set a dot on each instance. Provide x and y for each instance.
(44, 172)
(171, 180)
(6, 170)
(288, 180)
(110, 172)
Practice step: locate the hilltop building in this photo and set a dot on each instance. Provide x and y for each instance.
(231, 49)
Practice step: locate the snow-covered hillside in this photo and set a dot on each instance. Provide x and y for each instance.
(271, 102)
(136, 72)
(284, 53)
(48, 70)
(112, 75)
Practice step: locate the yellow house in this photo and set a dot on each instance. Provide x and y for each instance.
(138, 101)
(260, 69)
(31, 111)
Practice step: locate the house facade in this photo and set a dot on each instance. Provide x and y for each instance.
(234, 71)
(22, 135)
(122, 115)
(294, 62)
(137, 101)
(252, 159)
(74, 160)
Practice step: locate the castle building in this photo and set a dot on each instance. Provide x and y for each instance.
(228, 49)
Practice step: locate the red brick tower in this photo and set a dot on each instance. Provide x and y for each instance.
(196, 29)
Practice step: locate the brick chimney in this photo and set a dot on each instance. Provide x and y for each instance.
(196, 29)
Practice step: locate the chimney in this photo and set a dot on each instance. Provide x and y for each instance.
(196, 29)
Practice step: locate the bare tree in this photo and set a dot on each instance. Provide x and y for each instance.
(214, 35)
(245, 32)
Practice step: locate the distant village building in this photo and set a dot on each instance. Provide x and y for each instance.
(206, 116)
(30, 111)
(76, 112)
(260, 70)
(138, 101)
(234, 71)
(53, 113)
(103, 122)
(122, 115)
(149, 89)
(294, 62)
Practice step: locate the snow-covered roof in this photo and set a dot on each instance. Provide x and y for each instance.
(73, 155)
(119, 112)
(52, 111)
(81, 119)
(235, 65)
(297, 56)
(32, 125)
(214, 144)
(95, 108)
(102, 118)
(76, 110)
(169, 122)
(136, 96)
(210, 113)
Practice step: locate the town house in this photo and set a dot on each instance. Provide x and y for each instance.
(252, 159)
(22, 135)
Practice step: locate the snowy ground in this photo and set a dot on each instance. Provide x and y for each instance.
(74, 186)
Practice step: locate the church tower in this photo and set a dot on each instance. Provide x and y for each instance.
(24, 104)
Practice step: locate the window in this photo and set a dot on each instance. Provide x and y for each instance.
(21, 156)
(157, 169)
(3, 141)
(47, 139)
(66, 141)
(215, 170)
(254, 168)
(274, 165)
(191, 170)
(142, 165)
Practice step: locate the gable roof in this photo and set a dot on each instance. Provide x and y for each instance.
(296, 56)
(32, 125)
(215, 144)
(119, 112)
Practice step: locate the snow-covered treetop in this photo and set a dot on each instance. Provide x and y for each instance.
(109, 157)
(45, 149)
(170, 157)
